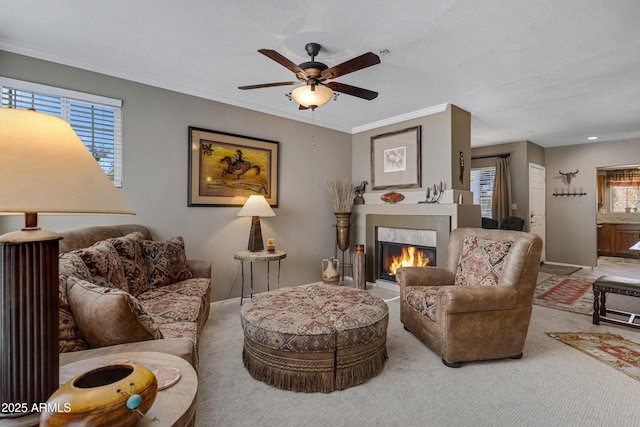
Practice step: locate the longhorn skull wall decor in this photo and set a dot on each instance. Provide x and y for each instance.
(569, 175)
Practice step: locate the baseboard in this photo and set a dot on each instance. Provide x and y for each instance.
(568, 265)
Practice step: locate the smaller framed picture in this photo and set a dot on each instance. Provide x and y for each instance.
(396, 159)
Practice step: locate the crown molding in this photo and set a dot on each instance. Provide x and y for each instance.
(401, 118)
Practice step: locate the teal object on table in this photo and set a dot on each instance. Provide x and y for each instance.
(134, 401)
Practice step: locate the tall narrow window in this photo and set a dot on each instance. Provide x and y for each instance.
(97, 120)
(482, 188)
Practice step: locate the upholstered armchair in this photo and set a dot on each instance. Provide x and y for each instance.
(478, 306)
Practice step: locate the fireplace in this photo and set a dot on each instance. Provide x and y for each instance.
(430, 231)
(394, 255)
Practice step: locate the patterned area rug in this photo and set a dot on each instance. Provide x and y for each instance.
(565, 293)
(611, 349)
(561, 270)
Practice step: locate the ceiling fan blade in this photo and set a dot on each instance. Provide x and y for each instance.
(272, 54)
(352, 90)
(260, 86)
(363, 61)
(302, 107)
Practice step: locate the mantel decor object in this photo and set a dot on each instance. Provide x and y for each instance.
(359, 191)
(110, 395)
(435, 195)
(392, 197)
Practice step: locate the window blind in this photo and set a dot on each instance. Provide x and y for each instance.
(482, 188)
(96, 120)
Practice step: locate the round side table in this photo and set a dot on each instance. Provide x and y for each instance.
(262, 256)
(174, 406)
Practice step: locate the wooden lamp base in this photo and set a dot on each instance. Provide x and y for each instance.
(255, 236)
(29, 359)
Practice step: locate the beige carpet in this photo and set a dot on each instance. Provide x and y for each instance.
(552, 385)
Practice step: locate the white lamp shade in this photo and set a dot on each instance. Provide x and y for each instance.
(256, 205)
(45, 168)
(312, 95)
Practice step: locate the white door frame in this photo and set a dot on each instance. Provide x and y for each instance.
(537, 197)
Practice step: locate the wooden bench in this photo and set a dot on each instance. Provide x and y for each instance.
(618, 285)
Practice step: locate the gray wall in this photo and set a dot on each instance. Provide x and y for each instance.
(571, 221)
(155, 174)
(444, 134)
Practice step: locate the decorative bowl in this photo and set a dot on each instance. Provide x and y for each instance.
(392, 197)
(112, 395)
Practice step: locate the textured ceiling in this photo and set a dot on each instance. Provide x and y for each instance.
(552, 72)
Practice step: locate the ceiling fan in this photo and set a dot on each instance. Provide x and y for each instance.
(314, 74)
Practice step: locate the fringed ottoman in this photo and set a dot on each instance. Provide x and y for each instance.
(315, 338)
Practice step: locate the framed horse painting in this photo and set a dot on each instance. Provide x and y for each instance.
(225, 169)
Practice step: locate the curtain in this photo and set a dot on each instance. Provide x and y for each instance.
(501, 199)
(623, 178)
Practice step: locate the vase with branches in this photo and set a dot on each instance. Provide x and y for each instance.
(341, 195)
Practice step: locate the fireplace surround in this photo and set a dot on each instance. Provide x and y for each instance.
(394, 255)
(441, 224)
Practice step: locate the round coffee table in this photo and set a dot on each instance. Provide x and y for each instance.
(315, 338)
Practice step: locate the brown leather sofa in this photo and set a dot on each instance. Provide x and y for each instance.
(180, 335)
(465, 321)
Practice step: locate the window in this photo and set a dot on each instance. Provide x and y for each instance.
(624, 197)
(97, 120)
(624, 189)
(482, 188)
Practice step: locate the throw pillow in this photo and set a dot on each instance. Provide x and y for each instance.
(109, 316)
(481, 261)
(70, 337)
(135, 269)
(166, 261)
(105, 266)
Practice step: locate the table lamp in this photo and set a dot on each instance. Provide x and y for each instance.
(44, 168)
(255, 207)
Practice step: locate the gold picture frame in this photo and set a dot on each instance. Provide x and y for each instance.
(225, 169)
(396, 159)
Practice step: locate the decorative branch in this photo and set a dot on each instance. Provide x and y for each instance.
(341, 194)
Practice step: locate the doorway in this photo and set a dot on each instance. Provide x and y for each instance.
(537, 194)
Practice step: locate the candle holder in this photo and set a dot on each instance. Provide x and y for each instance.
(434, 194)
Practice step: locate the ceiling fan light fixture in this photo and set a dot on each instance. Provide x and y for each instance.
(312, 96)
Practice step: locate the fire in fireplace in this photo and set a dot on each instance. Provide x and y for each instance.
(395, 255)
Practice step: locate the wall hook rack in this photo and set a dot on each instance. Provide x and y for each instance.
(569, 192)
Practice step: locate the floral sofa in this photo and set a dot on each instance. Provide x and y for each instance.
(122, 291)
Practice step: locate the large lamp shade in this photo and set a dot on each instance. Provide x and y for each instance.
(45, 168)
